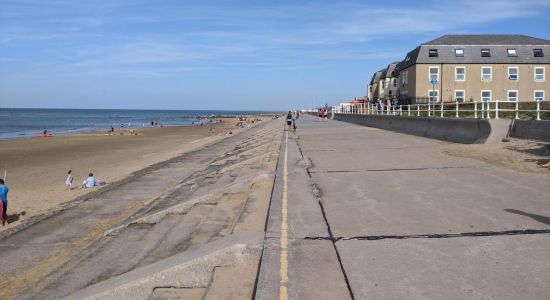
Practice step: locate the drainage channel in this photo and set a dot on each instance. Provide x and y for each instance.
(397, 169)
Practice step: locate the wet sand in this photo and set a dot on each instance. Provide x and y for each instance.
(37, 168)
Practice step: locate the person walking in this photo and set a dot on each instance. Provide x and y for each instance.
(289, 118)
(4, 203)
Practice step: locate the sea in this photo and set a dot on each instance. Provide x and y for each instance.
(18, 123)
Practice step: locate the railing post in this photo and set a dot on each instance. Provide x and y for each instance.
(517, 110)
(483, 109)
(538, 110)
(418, 110)
(456, 109)
(441, 110)
(409, 109)
(429, 108)
(496, 109)
(475, 110)
(488, 110)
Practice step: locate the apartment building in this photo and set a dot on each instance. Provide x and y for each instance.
(374, 85)
(388, 84)
(475, 67)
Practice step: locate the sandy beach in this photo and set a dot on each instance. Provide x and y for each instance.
(37, 168)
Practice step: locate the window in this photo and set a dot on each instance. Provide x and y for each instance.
(370, 88)
(538, 53)
(460, 73)
(486, 73)
(459, 52)
(432, 53)
(433, 95)
(383, 83)
(512, 53)
(539, 73)
(405, 78)
(459, 95)
(486, 96)
(434, 73)
(512, 73)
(407, 58)
(485, 53)
(539, 95)
(395, 82)
(513, 96)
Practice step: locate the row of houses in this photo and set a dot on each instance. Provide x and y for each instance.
(467, 68)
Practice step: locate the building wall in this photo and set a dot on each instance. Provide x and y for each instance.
(473, 85)
(406, 84)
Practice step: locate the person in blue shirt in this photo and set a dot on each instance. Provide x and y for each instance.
(89, 182)
(4, 197)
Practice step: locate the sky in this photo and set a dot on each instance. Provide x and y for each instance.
(220, 55)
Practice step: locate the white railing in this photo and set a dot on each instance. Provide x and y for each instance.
(481, 109)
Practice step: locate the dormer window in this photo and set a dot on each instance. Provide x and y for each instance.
(512, 53)
(407, 58)
(485, 53)
(432, 53)
(459, 52)
(538, 53)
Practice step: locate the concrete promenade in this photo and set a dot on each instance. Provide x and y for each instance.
(362, 213)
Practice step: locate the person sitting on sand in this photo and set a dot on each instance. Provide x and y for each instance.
(89, 182)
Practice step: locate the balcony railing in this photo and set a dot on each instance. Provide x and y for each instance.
(528, 110)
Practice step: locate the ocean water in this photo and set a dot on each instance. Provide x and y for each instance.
(26, 123)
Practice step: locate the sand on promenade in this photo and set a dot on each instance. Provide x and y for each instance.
(520, 155)
(37, 168)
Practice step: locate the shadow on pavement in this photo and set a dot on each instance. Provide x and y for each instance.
(538, 218)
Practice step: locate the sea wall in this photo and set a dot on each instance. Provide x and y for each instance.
(530, 129)
(465, 131)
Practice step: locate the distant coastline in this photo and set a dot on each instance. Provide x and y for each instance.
(24, 123)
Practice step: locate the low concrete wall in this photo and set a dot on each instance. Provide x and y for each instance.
(465, 131)
(530, 129)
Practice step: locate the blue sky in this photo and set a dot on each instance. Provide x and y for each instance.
(253, 55)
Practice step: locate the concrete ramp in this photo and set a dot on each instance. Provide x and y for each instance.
(191, 269)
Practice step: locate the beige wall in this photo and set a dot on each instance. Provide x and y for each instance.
(389, 87)
(408, 89)
(473, 85)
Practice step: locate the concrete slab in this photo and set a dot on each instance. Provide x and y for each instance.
(232, 283)
(178, 294)
(432, 201)
(500, 267)
(314, 271)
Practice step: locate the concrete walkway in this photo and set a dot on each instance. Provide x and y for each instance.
(362, 213)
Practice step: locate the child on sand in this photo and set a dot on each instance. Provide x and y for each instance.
(69, 180)
(4, 203)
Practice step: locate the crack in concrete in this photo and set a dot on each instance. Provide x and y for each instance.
(443, 235)
(396, 169)
(318, 195)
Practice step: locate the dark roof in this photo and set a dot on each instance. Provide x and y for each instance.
(390, 69)
(498, 46)
(487, 39)
(377, 75)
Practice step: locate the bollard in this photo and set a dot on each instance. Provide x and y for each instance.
(496, 109)
(475, 110)
(456, 109)
(517, 110)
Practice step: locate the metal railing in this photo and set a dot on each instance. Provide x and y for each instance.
(533, 110)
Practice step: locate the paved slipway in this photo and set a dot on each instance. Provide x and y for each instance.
(187, 228)
(363, 213)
